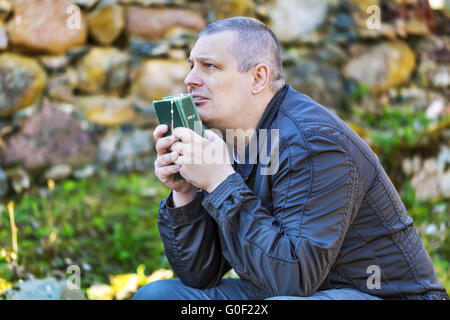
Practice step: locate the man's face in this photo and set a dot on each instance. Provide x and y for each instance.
(220, 92)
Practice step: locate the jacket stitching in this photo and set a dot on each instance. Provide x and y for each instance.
(389, 229)
(327, 124)
(351, 194)
(308, 196)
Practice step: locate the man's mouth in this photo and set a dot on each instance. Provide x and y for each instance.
(199, 100)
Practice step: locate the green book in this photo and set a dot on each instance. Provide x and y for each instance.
(178, 111)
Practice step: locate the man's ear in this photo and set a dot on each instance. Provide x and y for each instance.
(260, 75)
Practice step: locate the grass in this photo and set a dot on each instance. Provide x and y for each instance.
(106, 224)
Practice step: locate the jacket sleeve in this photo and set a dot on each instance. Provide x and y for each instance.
(191, 243)
(290, 250)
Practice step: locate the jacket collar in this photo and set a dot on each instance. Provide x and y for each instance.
(245, 168)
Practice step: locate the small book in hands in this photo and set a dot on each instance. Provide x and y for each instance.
(178, 111)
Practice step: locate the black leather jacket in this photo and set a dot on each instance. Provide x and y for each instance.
(323, 220)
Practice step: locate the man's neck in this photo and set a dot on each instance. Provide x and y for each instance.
(248, 125)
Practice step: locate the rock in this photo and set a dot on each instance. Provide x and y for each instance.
(48, 137)
(155, 23)
(434, 75)
(107, 110)
(5, 9)
(61, 85)
(103, 69)
(391, 64)
(21, 83)
(3, 37)
(88, 4)
(20, 181)
(3, 183)
(47, 25)
(107, 147)
(58, 172)
(232, 8)
(159, 78)
(292, 18)
(426, 181)
(106, 22)
(37, 289)
(132, 150)
(411, 166)
(85, 172)
(443, 163)
(435, 109)
(343, 22)
(321, 82)
(54, 63)
(332, 53)
(144, 49)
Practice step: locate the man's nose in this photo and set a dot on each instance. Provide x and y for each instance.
(192, 79)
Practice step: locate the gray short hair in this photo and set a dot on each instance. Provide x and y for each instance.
(255, 43)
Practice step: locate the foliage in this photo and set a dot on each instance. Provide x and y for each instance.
(106, 225)
(432, 222)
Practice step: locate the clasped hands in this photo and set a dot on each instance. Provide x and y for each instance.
(202, 161)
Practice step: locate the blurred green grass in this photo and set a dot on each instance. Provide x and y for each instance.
(106, 224)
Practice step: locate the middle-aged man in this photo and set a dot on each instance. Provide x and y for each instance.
(320, 220)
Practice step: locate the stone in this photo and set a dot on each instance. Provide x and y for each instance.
(127, 150)
(107, 146)
(145, 49)
(48, 137)
(47, 25)
(85, 172)
(5, 9)
(107, 110)
(61, 85)
(22, 81)
(159, 78)
(343, 22)
(4, 39)
(106, 22)
(155, 23)
(292, 18)
(426, 181)
(58, 172)
(88, 4)
(103, 70)
(4, 188)
(232, 8)
(54, 63)
(37, 289)
(20, 180)
(443, 163)
(320, 81)
(391, 64)
(435, 109)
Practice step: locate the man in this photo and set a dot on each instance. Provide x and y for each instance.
(324, 223)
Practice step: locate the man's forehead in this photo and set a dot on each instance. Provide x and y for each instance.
(212, 47)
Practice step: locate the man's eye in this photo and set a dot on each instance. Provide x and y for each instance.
(209, 65)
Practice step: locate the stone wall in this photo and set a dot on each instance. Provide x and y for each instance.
(77, 78)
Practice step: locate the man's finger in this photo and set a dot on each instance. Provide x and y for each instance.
(160, 131)
(163, 144)
(186, 135)
(167, 171)
(166, 159)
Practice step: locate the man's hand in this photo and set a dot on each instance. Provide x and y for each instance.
(205, 162)
(164, 168)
